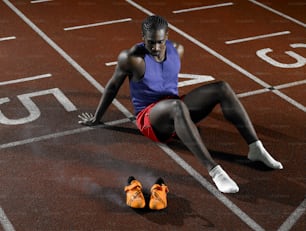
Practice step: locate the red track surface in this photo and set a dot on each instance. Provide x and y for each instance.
(57, 175)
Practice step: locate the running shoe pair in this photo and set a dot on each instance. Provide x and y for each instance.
(136, 200)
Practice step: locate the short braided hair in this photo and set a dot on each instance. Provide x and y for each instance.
(154, 22)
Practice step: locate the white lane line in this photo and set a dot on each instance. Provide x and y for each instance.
(5, 222)
(70, 60)
(7, 38)
(40, 1)
(223, 59)
(98, 24)
(111, 63)
(202, 8)
(282, 86)
(251, 93)
(293, 218)
(286, 85)
(257, 37)
(25, 79)
(61, 134)
(278, 13)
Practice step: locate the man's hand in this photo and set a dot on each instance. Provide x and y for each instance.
(88, 119)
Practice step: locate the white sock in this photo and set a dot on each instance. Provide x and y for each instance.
(223, 182)
(257, 152)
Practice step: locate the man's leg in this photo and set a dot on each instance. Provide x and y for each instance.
(201, 102)
(172, 115)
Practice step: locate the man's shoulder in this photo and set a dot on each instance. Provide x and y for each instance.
(134, 54)
(136, 51)
(132, 58)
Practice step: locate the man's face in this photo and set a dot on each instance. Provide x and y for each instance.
(155, 42)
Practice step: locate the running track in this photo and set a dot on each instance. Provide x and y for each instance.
(55, 58)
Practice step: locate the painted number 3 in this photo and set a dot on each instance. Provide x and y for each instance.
(34, 112)
(300, 60)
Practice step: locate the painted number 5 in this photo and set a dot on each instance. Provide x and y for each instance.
(33, 110)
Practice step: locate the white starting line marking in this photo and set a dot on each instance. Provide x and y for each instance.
(61, 134)
(7, 38)
(40, 1)
(286, 85)
(25, 79)
(98, 24)
(5, 222)
(282, 86)
(202, 8)
(278, 13)
(257, 37)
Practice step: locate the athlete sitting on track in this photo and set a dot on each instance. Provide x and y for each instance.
(152, 68)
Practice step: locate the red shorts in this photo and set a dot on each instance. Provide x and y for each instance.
(144, 124)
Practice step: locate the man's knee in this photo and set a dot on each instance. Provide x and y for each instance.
(179, 108)
(225, 88)
(223, 85)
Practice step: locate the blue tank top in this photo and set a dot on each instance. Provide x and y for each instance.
(160, 79)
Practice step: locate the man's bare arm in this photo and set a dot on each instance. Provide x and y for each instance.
(111, 90)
